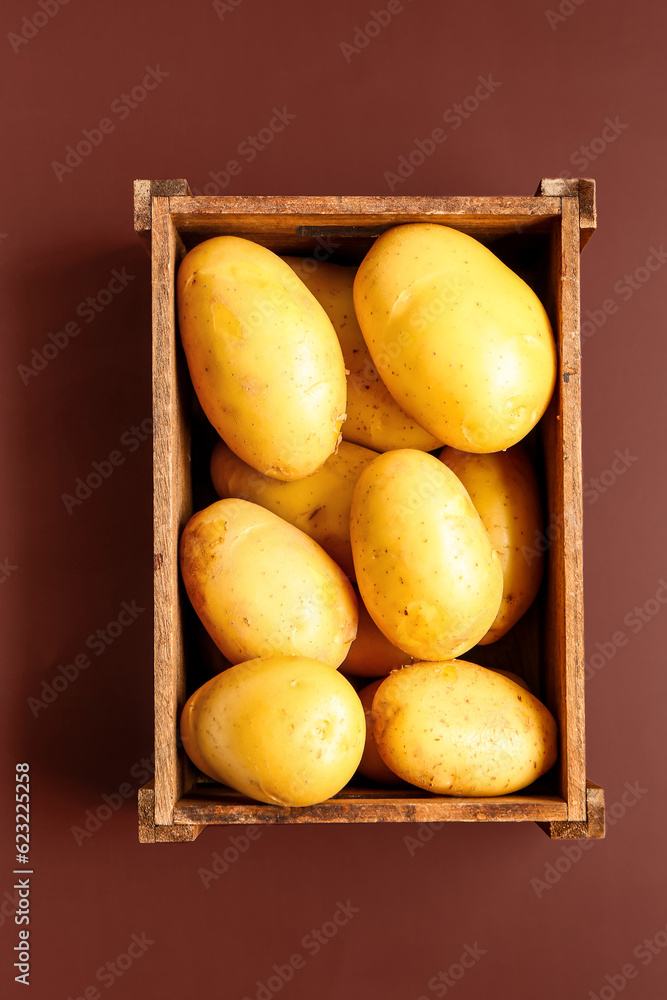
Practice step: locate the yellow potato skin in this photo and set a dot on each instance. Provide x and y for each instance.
(371, 765)
(262, 587)
(461, 342)
(503, 487)
(374, 418)
(455, 728)
(286, 730)
(371, 654)
(318, 505)
(425, 567)
(263, 356)
(512, 676)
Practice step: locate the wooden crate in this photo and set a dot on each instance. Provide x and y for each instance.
(540, 237)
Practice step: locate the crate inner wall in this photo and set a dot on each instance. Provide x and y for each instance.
(531, 247)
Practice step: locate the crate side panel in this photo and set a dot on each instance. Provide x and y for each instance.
(573, 597)
(563, 641)
(268, 219)
(221, 806)
(171, 507)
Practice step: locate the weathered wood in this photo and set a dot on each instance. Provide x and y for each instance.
(561, 429)
(592, 827)
(215, 804)
(172, 506)
(346, 226)
(302, 221)
(149, 833)
(582, 188)
(587, 210)
(144, 192)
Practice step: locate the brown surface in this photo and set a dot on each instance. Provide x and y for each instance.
(551, 924)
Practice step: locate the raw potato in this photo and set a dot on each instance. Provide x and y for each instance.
(461, 342)
(371, 654)
(319, 505)
(372, 766)
(455, 728)
(426, 570)
(261, 587)
(286, 730)
(503, 487)
(263, 356)
(374, 418)
(512, 676)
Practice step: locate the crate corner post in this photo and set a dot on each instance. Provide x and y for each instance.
(151, 832)
(144, 192)
(591, 828)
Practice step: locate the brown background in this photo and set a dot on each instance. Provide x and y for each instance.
(469, 885)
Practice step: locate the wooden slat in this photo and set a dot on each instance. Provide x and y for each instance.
(563, 649)
(267, 219)
(354, 210)
(214, 804)
(172, 505)
(573, 614)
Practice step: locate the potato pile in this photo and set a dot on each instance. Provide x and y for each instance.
(375, 510)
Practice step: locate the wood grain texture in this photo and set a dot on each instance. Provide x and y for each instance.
(572, 616)
(561, 429)
(271, 220)
(144, 192)
(172, 506)
(561, 209)
(582, 188)
(587, 210)
(149, 833)
(592, 827)
(215, 804)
